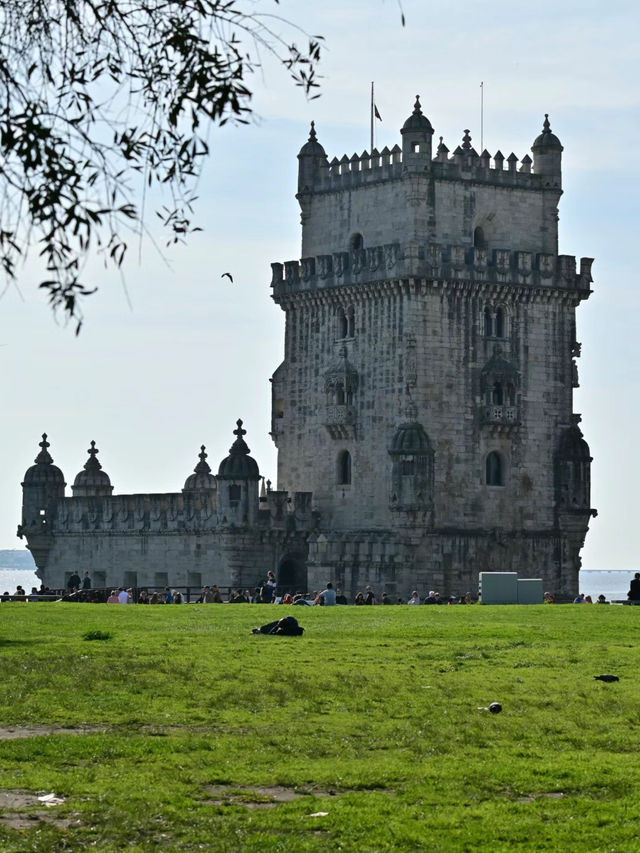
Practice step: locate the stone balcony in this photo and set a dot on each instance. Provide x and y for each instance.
(505, 415)
(340, 421)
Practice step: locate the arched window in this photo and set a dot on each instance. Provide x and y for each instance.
(340, 395)
(511, 394)
(479, 241)
(497, 396)
(499, 324)
(344, 468)
(351, 322)
(494, 470)
(356, 243)
(342, 325)
(488, 323)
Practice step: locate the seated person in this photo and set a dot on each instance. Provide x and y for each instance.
(634, 588)
(285, 627)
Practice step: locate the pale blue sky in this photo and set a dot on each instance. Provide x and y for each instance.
(152, 382)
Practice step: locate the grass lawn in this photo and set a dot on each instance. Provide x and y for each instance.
(367, 734)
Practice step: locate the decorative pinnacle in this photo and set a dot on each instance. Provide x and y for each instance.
(239, 432)
(44, 457)
(92, 463)
(466, 140)
(417, 109)
(546, 127)
(312, 132)
(239, 446)
(202, 467)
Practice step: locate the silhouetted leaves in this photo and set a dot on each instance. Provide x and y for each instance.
(102, 98)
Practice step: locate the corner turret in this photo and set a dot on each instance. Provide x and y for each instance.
(202, 479)
(42, 487)
(416, 141)
(311, 160)
(547, 155)
(92, 481)
(238, 478)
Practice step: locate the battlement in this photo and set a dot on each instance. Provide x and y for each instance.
(387, 165)
(431, 261)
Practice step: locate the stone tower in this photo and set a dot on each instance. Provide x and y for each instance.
(425, 396)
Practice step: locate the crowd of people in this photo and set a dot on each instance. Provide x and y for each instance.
(80, 589)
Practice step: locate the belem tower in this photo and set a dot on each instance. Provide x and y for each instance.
(423, 411)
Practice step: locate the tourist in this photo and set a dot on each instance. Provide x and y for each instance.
(177, 597)
(123, 596)
(268, 590)
(155, 598)
(74, 582)
(359, 599)
(588, 599)
(341, 598)
(5, 596)
(431, 598)
(370, 596)
(327, 596)
(238, 598)
(385, 599)
(579, 599)
(602, 600)
(20, 594)
(415, 598)
(549, 598)
(634, 588)
(285, 627)
(86, 581)
(168, 596)
(287, 598)
(143, 598)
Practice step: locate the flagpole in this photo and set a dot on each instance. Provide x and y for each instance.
(481, 116)
(371, 149)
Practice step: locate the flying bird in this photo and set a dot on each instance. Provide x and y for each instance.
(228, 275)
(607, 678)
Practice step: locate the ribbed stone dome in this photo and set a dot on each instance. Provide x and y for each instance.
(202, 478)
(417, 121)
(312, 147)
(547, 141)
(238, 465)
(410, 439)
(92, 480)
(44, 472)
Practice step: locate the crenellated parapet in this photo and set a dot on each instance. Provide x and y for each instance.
(433, 261)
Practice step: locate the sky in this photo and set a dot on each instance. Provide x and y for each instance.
(171, 354)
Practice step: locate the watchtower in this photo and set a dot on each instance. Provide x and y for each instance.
(426, 391)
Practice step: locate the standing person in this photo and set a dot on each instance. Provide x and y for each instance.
(634, 588)
(74, 581)
(86, 581)
(327, 596)
(269, 588)
(370, 596)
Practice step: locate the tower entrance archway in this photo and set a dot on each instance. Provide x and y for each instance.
(292, 574)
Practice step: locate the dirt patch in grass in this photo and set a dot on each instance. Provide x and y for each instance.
(551, 795)
(14, 805)
(259, 797)
(16, 732)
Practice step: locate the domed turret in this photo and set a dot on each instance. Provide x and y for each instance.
(416, 141)
(238, 464)
(573, 469)
(44, 472)
(311, 159)
(547, 155)
(92, 481)
(238, 478)
(202, 478)
(412, 465)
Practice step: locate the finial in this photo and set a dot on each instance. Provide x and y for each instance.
(312, 132)
(268, 485)
(202, 467)
(44, 457)
(417, 109)
(441, 140)
(546, 127)
(239, 432)
(466, 140)
(92, 463)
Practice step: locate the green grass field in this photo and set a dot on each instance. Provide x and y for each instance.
(188, 733)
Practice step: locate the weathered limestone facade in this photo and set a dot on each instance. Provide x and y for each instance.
(425, 397)
(423, 411)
